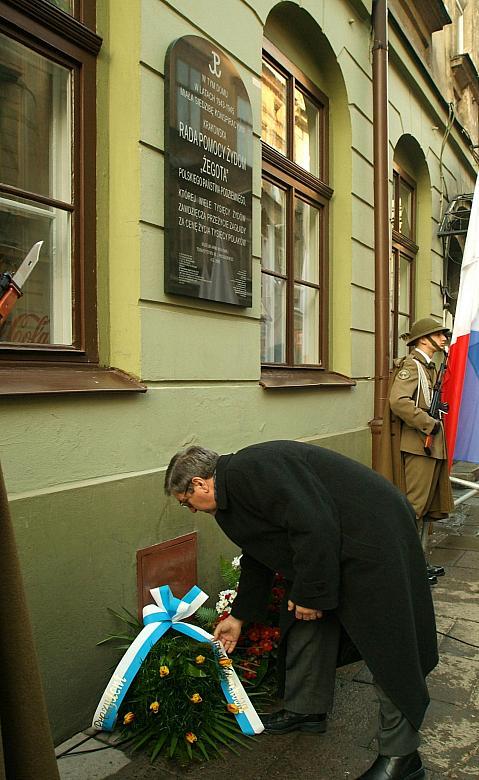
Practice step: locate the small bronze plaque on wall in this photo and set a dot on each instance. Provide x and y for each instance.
(170, 563)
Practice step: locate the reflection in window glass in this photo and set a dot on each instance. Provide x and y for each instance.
(400, 293)
(35, 156)
(306, 242)
(404, 285)
(273, 320)
(306, 133)
(63, 5)
(306, 325)
(405, 209)
(273, 228)
(273, 119)
(404, 326)
(294, 123)
(391, 305)
(35, 122)
(188, 111)
(43, 313)
(404, 302)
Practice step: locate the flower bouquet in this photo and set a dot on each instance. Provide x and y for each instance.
(256, 652)
(174, 703)
(175, 706)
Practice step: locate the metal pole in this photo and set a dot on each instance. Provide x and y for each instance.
(381, 216)
(474, 489)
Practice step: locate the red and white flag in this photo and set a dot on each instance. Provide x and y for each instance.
(461, 381)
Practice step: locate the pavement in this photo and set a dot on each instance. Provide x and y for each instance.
(450, 733)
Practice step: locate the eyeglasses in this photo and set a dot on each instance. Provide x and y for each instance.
(185, 502)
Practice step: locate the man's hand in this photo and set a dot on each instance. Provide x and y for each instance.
(303, 613)
(228, 631)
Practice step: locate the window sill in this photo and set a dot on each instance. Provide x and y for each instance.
(291, 378)
(16, 380)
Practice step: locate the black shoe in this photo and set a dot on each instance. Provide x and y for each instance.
(284, 721)
(396, 768)
(436, 571)
(432, 579)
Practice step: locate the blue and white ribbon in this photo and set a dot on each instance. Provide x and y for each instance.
(169, 612)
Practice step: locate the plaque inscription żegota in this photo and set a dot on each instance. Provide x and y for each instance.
(208, 203)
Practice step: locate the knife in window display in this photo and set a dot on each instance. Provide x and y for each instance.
(11, 285)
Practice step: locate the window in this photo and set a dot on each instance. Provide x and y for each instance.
(403, 258)
(47, 177)
(460, 6)
(294, 224)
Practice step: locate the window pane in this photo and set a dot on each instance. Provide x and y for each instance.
(404, 285)
(273, 228)
(404, 326)
(273, 120)
(64, 5)
(306, 242)
(43, 315)
(35, 122)
(306, 325)
(306, 133)
(273, 320)
(405, 209)
(392, 272)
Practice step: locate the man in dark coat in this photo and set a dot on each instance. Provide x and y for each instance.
(345, 540)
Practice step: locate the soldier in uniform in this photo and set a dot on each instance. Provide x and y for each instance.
(422, 474)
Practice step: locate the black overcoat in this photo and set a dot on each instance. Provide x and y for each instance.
(346, 540)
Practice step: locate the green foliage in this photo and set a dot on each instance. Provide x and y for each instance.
(64, 5)
(207, 617)
(229, 573)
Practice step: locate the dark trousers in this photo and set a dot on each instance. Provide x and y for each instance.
(311, 653)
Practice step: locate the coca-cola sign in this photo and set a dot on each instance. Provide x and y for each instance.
(28, 328)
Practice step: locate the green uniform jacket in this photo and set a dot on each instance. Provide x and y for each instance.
(405, 425)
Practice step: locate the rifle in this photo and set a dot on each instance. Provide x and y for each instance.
(437, 407)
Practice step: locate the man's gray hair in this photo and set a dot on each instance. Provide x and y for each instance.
(194, 461)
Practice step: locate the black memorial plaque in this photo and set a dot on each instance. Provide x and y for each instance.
(209, 144)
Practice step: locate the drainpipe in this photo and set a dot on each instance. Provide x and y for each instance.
(381, 217)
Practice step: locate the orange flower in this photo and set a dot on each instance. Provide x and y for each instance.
(196, 698)
(129, 718)
(233, 708)
(200, 659)
(190, 737)
(225, 662)
(155, 706)
(164, 671)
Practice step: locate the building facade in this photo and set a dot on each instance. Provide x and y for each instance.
(107, 367)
